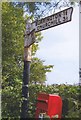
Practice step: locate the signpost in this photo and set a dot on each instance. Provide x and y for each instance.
(39, 25)
(26, 71)
(48, 22)
(53, 20)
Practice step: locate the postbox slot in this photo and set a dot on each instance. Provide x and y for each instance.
(49, 105)
(43, 101)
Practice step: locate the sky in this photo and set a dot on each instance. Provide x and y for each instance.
(60, 47)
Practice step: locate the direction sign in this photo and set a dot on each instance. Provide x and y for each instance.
(45, 23)
(53, 20)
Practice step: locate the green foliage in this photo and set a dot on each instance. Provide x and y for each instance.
(11, 101)
(73, 2)
(41, 9)
(12, 43)
(38, 71)
(69, 92)
(13, 27)
(12, 56)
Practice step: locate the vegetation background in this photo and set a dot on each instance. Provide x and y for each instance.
(14, 15)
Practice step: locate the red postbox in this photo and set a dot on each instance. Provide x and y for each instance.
(48, 105)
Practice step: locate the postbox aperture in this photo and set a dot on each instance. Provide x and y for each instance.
(48, 105)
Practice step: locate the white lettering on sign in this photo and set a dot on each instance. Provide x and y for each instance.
(45, 23)
(53, 20)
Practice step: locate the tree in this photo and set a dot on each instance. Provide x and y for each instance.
(38, 71)
(41, 9)
(12, 34)
(13, 27)
(12, 57)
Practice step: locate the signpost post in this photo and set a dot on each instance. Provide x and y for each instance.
(39, 25)
(26, 72)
